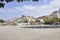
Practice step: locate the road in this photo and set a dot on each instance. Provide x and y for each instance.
(17, 33)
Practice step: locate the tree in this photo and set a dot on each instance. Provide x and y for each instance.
(23, 16)
(9, 0)
(35, 0)
(26, 21)
(2, 21)
(2, 4)
(38, 21)
(47, 21)
(55, 19)
(59, 19)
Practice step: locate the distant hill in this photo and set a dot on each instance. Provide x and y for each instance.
(24, 18)
(53, 14)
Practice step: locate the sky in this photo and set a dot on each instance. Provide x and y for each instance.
(29, 8)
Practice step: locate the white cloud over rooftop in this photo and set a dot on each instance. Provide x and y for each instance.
(40, 10)
(35, 10)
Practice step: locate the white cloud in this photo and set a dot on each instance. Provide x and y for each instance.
(7, 10)
(36, 11)
(11, 10)
(40, 10)
(2, 10)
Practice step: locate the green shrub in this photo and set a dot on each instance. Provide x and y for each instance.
(2, 21)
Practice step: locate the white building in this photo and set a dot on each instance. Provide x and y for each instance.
(41, 21)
